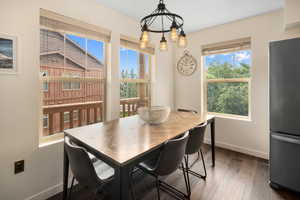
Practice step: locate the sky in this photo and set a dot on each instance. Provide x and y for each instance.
(128, 58)
(6, 47)
(95, 48)
(234, 58)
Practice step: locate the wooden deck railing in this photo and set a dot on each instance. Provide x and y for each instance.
(88, 113)
(129, 106)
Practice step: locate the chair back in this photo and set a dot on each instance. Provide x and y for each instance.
(81, 165)
(171, 155)
(196, 139)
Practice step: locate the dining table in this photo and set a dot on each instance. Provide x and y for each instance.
(125, 142)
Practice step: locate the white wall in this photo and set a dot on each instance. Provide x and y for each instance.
(292, 14)
(246, 136)
(20, 98)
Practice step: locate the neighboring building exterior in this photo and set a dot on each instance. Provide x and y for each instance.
(5, 61)
(74, 76)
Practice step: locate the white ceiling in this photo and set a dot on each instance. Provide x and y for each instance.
(198, 14)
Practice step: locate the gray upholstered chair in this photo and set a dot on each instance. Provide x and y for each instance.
(88, 172)
(168, 160)
(194, 146)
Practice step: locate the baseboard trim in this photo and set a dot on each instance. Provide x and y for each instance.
(240, 149)
(47, 193)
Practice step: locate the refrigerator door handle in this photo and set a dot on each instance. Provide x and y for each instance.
(286, 139)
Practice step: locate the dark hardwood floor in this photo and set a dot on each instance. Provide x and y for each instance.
(235, 177)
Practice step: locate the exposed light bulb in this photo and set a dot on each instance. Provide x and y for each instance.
(143, 45)
(182, 41)
(173, 33)
(145, 36)
(163, 44)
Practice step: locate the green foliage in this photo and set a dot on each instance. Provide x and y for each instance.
(226, 70)
(229, 98)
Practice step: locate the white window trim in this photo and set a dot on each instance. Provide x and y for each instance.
(227, 80)
(58, 137)
(148, 78)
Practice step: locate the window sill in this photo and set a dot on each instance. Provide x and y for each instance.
(50, 140)
(233, 117)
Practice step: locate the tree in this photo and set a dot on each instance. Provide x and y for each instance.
(229, 98)
(128, 90)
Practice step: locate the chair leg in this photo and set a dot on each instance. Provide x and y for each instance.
(70, 193)
(188, 168)
(157, 188)
(187, 181)
(203, 163)
(196, 160)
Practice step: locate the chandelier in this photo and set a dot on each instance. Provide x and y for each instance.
(169, 23)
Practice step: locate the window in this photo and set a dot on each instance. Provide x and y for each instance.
(228, 77)
(75, 115)
(45, 84)
(66, 117)
(74, 84)
(45, 121)
(135, 67)
(72, 62)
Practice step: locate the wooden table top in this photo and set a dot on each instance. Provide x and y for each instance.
(126, 138)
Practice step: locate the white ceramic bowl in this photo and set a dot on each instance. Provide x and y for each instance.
(154, 114)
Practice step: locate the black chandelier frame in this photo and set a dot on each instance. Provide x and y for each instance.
(163, 13)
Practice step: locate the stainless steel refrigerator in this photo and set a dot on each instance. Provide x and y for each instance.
(285, 114)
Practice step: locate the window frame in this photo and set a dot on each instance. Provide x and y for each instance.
(147, 80)
(226, 80)
(67, 117)
(71, 76)
(57, 137)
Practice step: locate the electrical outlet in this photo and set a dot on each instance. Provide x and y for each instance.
(19, 166)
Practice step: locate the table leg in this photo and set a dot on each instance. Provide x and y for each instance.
(66, 176)
(122, 188)
(116, 189)
(212, 128)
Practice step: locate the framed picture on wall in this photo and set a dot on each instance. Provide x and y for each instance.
(8, 54)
